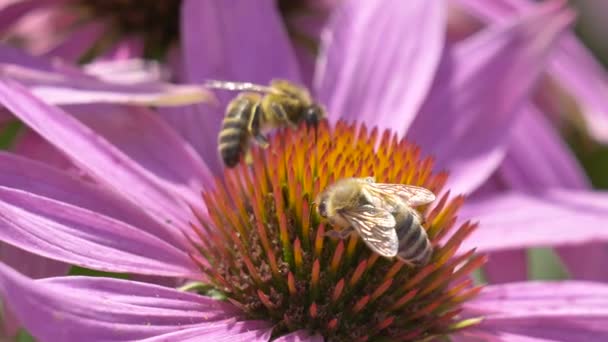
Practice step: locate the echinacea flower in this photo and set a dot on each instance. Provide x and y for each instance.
(254, 238)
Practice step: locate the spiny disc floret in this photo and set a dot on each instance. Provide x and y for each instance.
(265, 247)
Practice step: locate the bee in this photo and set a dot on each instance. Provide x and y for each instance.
(258, 109)
(381, 214)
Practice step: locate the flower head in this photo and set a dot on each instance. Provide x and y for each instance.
(266, 249)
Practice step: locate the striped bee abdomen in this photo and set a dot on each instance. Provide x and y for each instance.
(414, 244)
(233, 139)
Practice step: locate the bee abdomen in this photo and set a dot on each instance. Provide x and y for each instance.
(232, 140)
(414, 244)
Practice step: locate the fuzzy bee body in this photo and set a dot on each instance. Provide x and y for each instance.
(234, 135)
(381, 214)
(258, 109)
(414, 244)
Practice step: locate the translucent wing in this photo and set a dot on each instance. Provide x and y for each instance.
(376, 227)
(409, 194)
(239, 86)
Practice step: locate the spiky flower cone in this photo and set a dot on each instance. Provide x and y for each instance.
(265, 247)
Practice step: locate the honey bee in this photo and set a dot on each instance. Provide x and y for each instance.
(381, 214)
(258, 109)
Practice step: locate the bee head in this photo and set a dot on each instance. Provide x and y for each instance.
(313, 114)
(322, 207)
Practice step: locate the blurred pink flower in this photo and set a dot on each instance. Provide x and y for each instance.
(78, 30)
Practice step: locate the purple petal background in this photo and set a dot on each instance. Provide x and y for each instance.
(95, 309)
(560, 311)
(377, 71)
(467, 120)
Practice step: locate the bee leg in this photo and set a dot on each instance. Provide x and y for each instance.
(407, 262)
(282, 114)
(340, 234)
(253, 126)
(248, 157)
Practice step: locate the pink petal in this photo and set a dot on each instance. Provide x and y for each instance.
(561, 311)
(31, 145)
(218, 38)
(33, 266)
(512, 221)
(11, 13)
(79, 42)
(497, 335)
(149, 141)
(378, 60)
(39, 179)
(130, 82)
(471, 110)
(101, 309)
(506, 266)
(126, 48)
(586, 262)
(226, 331)
(127, 71)
(78, 236)
(97, 156)
(572, 66)
(300, 336)
(61, 89)
(538, 158)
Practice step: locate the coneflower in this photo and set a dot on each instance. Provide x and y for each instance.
(265, 248)
(255, 241)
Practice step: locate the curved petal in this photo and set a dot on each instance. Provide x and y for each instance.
(467, 119)
(378, 60)
(228, 40)
(563, 311)
(103, 309)
(147, 140)
(97, 156)
(33, 266)
(78, 236)
(586, 263)
(512, 221)
(506, 266)
(538, 158)
(299, 336)
(224, 331)
(572, 66)
(31, 145)
(12, 12)
(126, 48)
(39, 179)
(64, 84)
(73, 47)
(61, 89)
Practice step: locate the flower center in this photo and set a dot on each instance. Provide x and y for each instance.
(264, 246)
(157, 22)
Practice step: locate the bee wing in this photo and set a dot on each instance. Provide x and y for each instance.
(376, 227)
(239, 86)
(409, 194)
